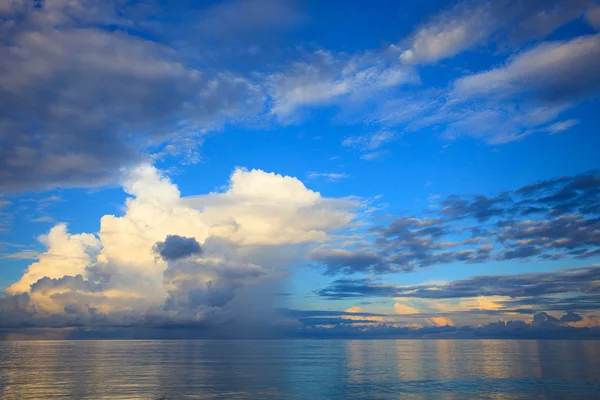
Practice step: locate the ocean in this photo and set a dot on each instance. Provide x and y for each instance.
(300, 369)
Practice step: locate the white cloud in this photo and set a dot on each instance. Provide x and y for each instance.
(369, 142)
(327, 78)
(43, 219)
(22, 255)
(469, 24)
(66, 254)
(332, 176)
(249, 234)
(450, 33)
(524, 96)
(561, 126)
(549, 71)
(499, 123)
(373, 155)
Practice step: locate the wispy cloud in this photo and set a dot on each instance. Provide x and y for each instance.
(331, 176)
(22, 255)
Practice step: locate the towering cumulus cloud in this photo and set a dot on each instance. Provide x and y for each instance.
(172, 260)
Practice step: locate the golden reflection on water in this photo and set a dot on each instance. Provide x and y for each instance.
(381, 369)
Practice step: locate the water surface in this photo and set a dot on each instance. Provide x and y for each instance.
(300, 369)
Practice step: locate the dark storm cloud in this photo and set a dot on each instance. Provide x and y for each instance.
(573, 280)
(175, 247)
(549, 220)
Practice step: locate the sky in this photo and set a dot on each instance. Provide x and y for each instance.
(288, 168)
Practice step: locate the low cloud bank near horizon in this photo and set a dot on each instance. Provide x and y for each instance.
(214, 265)
(211, 260)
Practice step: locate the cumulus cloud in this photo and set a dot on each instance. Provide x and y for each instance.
(173, 260)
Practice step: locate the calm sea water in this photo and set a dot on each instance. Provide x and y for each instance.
(295, 369)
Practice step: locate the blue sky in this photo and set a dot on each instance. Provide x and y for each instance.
(242, 161)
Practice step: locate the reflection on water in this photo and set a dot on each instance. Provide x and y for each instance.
(336, 369)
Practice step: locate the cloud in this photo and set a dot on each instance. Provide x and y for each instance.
(43, 219)
(213, 260)
(330, 324)
(359, 317)
(234, 18)
(552, 71)
(343, 261)
(98, 97)
(330, 176)
(469, 24)
(524, 96)
(578, 281)
(66, 254)
(447, 35)
(369, 144)
(175, 247)
(325, 79)
(22, 255)
(373, 155)
(84, 93)
(562, 126)
(4, 217)
(592, 15)
(548, 220)
(405, 309)
(440, 321)
(370, 141)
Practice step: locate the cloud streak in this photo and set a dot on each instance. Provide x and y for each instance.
(548, 220)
